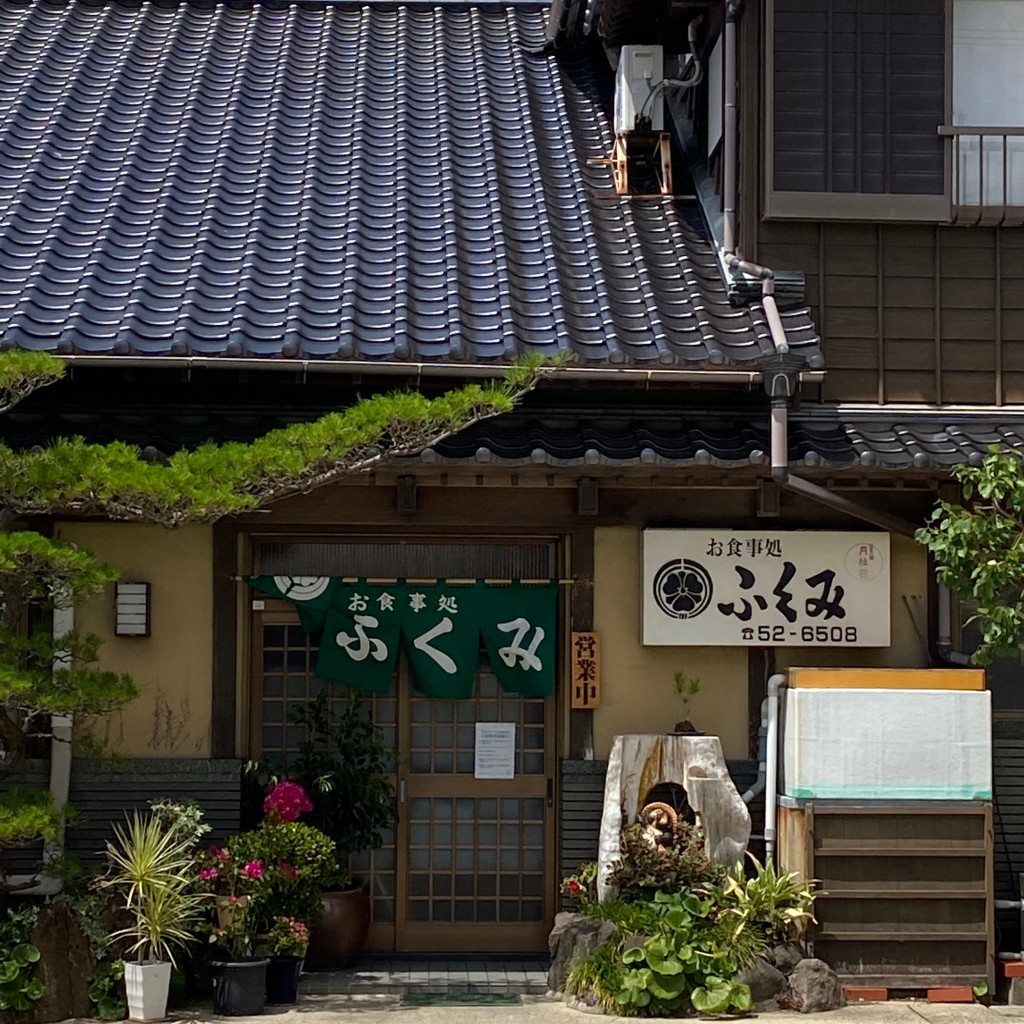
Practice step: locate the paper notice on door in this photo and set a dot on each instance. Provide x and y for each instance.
(495, 750)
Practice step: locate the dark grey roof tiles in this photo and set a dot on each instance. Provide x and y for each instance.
(822, 438)
(552, 434)
(334, 182)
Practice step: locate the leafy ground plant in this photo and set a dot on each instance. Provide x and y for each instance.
(778, 904)
(669, 955)
(20, 989)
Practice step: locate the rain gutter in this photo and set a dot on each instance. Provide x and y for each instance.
(313, 367)
(730, 160)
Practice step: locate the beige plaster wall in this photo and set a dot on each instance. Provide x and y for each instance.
(637, 690)
(173, 666)
(908, 621)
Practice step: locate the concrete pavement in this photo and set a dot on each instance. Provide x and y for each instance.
(387, 1009)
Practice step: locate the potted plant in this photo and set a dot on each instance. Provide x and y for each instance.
(687, 687)
(150, 871)
(297, 861)
(345, 766)
(239, 976)
(287, 941)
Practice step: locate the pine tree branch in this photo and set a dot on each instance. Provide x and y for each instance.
(200, 486)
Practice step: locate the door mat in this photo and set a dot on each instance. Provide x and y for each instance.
(461, 999)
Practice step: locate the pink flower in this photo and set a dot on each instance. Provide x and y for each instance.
(254, 869)
(288, 870)
(287, 799)
(208, 874)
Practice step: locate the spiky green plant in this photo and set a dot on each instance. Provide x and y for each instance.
(150, 870)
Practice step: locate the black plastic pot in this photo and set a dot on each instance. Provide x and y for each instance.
(283, 979)
(239, 987)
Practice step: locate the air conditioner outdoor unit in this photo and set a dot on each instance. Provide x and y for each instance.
(638, 106)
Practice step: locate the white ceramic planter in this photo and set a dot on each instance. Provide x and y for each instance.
(146, 986)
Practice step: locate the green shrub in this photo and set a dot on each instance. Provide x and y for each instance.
(299, 862)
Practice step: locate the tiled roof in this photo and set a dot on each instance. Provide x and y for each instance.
(546, 435)
(376, 182)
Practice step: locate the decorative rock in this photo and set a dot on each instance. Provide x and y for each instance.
(573, 937)
(638, 763)
(813, 988)
(765, 980)
(786, 955)
(587, 1004)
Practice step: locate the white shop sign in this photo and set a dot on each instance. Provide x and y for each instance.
(766, 588)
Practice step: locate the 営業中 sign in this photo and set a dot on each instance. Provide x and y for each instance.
(766, 588)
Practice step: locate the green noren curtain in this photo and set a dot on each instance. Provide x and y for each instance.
(438, 625)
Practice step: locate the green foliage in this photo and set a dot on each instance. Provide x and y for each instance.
(978, 547)
(668, 955)
(214, 480)
(30, 684)
(22, 372)
(20, 989)
(27, 814)
(184, 818)
(41, 570)
(107, 990)
(298, 863)
(343, 764)
(643, 869)
(151, 872)
(686, 686)
(778, 903)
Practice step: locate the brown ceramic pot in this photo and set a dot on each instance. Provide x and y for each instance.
(339, 936)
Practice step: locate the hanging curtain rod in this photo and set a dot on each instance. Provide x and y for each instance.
(431, 580)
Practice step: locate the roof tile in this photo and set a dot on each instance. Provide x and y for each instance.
(334, 181)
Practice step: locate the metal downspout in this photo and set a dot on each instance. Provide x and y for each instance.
(780, 393)
(757, 786)
(729, 155)
(771, 797)
(39, 884)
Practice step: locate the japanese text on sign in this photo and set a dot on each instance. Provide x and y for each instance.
(796, 589)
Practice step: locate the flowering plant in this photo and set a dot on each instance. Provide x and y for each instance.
(296, 863)
(580, 889)
(286, 801)
(233, 883)
(288, 937)
(221, 874)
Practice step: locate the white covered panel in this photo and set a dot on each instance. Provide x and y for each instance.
(887, 744)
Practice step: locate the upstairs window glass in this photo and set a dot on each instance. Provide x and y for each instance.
(988, 94)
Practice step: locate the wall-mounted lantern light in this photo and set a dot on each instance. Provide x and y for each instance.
(131, 609)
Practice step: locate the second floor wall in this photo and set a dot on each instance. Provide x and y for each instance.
(911, 313)
(878, 155)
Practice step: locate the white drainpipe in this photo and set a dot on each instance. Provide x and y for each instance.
(60, 779)
(771, 795)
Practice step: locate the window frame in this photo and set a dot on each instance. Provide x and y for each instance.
(848, 206)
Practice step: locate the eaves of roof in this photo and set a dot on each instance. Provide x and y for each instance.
(378, 184)
(590, 438)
